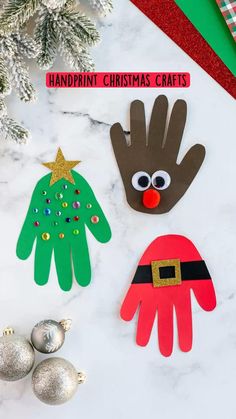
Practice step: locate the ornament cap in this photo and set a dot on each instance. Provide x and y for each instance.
(66, 324)
(81, 377)
(8, 331)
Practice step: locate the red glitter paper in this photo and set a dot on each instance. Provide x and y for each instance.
(171, 20)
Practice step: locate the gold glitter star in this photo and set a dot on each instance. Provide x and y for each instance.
(61, 168)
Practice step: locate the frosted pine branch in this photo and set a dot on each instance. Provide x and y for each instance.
(78, 60)
(20, 79)
(10, 129)
(26, 45)
(5, 85)
(46, 37)
(60, 27)
(81, 25)
(7, 46)
(76, 32)
(3, 109)
(11, 48)
(72, 49)
(69, 32)
(15, 13)
(102, 6)
(54, 4)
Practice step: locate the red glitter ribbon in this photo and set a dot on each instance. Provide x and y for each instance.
(171, 20)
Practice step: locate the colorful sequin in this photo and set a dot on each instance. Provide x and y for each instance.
(76, 204)
(94, 219)
(45, 236)
(47, 211)
(59, 195)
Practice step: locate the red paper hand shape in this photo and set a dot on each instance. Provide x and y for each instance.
(169, 269)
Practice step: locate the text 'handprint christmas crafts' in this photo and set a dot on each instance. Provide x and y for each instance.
(62, 206)
(153, 180)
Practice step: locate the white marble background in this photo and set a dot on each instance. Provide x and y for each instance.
(124, 380)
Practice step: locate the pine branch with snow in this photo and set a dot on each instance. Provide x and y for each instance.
(46, 37)
(60, 29)
(68, 32)
(12, 49)
(10, 129)
(16, 13)
(102, 6)
(5, 85)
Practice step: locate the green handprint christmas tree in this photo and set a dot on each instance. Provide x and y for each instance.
(62, 206)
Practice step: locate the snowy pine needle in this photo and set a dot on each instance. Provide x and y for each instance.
(102, 6)
(5, 85)
(12, 49)
(10, 129)
(20, 79)
(26, 45)
(17, 12)
(46, 37)
(69, 32)
(60, 28)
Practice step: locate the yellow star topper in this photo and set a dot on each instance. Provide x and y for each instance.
(61, 168)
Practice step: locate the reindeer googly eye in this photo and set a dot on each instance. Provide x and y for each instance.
(141, 181)
(161, 180)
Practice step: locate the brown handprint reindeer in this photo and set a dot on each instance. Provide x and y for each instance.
(153, 180)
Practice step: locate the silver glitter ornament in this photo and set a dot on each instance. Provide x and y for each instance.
(16, 356)
(48, 335)
(55, 381)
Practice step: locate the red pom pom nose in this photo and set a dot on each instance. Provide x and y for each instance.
(151, 198)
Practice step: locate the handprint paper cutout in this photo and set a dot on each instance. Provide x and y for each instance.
(62, 206)
(170, 268)
(153, 180)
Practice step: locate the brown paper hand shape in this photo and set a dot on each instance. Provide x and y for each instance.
(153, 180)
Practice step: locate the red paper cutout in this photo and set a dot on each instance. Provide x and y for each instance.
(166, 299)
(170, 19)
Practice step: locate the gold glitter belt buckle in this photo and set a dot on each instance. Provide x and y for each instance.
(158, 266)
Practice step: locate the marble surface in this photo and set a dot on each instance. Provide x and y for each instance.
(124, 380)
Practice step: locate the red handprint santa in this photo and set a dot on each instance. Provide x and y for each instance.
(167, 272)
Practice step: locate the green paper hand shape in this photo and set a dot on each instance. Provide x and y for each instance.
(56, 218)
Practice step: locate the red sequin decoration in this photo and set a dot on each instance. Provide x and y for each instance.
(76, 218)
(95, 219)
(170, 19)
(77, 191)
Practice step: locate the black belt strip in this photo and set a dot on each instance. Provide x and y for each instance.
(193, 270)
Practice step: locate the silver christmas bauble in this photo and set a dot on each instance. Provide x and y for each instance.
(55, 381)
(16, 356)
(48, 335)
